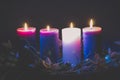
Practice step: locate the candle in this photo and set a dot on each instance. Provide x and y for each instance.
(91, 40)
(28, 33)
(49, 45)
(71, 43)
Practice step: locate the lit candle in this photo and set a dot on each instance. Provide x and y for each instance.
(28, 33)
(91, 40)
(49, 44)
(71, 43)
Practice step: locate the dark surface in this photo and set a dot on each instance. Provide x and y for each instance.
(35, 74)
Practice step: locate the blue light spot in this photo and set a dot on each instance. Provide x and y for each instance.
(17, 55)
(107, 58)
(31, 65)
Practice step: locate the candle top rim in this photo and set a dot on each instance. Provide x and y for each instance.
(73, 28)
(45, 30)
(29, 29)
(88, 29)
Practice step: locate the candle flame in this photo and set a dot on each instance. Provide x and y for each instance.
(25, 26)
(48, 27)
(91, 23)
(71, 25)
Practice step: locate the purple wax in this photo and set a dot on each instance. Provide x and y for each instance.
(91, 41)
(49, 45)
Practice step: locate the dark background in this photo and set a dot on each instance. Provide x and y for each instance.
(39, 13)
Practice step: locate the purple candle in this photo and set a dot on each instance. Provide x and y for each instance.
(91, 41)
(49, 45)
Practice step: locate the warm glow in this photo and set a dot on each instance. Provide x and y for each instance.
(91, 23)
(48, 27)
(71, 25)
(25, 26)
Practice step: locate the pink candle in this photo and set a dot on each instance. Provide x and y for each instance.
(27, 33)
